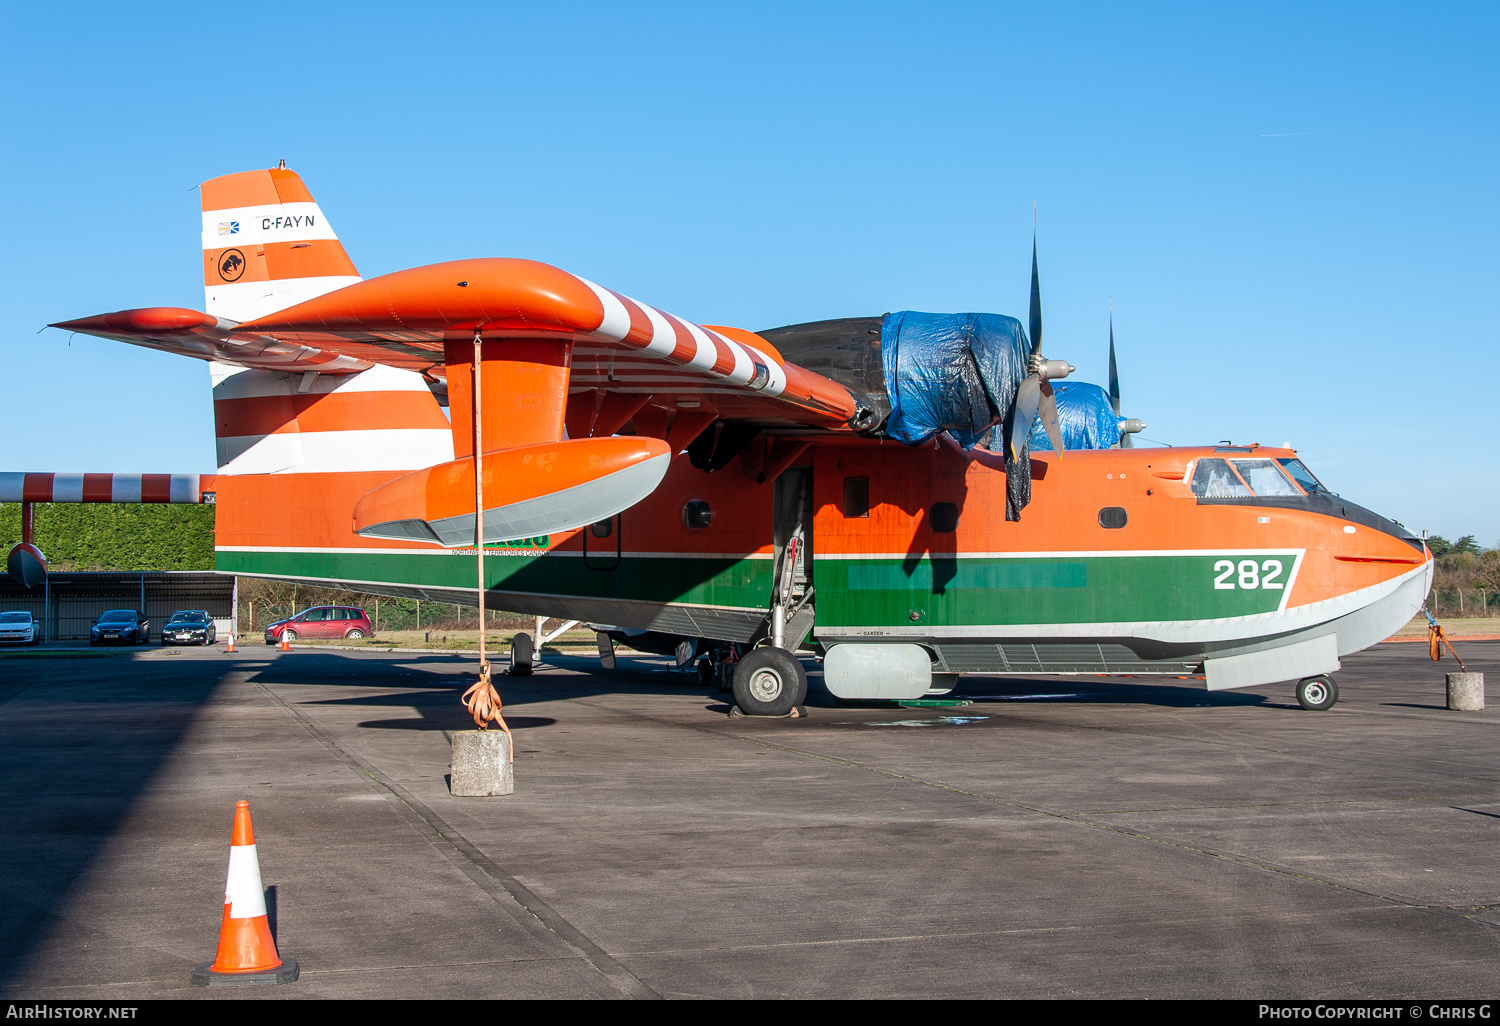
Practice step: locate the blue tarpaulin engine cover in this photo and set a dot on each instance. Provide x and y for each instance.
(956, 373)
(1084, 413)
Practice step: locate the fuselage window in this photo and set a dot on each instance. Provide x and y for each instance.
(856, 497)
(1265, 479)
(696, 515)
(1112, 517)
(944, 517)
(1302, 476)
(1214, 479)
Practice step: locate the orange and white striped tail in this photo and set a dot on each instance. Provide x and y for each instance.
(245, 942)
(266, 245)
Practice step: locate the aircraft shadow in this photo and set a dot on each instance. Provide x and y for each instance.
(439, 679)
(69, 782)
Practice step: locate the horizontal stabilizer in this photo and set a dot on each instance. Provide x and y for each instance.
(184, 332)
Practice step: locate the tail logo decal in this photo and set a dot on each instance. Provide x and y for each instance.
(229, 227)
(231, 265)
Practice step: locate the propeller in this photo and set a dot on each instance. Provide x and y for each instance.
(1035, 397)
(1130, 427)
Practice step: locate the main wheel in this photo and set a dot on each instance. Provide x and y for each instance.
(769, 682)
(1317, 693)
(705, 672)
(520, 655)
(355, 634)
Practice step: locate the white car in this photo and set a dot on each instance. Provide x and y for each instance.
(19, 629)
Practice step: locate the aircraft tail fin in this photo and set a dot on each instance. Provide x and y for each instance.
(266, 245)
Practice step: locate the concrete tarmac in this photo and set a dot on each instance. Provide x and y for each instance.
(1062, 837)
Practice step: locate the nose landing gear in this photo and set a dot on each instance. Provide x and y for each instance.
(1317, 693)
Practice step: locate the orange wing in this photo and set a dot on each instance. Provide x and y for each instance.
(619, 347)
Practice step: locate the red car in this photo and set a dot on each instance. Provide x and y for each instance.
(322, 622)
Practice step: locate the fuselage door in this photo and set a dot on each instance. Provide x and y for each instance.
(793, 501)
(601, 544)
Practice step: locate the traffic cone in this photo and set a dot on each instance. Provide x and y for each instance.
(231, 643)
(286, 646)
(247, 952)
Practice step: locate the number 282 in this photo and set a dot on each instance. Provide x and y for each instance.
(1247, 574)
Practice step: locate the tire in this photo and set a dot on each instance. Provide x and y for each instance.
(520, 655)
(355, 634)
(1317, 693)
(705, 672)
(769, 682)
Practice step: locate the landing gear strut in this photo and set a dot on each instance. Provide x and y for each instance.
(1317, 693)
(769, 681)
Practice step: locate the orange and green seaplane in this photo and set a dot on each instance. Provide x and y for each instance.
(864, 488)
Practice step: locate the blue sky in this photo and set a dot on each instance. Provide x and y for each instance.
(1292, 206)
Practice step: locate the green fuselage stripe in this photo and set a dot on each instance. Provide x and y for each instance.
(947, 592)
(717, 581)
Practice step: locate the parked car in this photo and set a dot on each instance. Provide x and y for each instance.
(189, 627)
(122, 626)
(322, 622)
(19, 629)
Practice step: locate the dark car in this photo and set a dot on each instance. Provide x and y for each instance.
(322, 622)
(189, 627)
(120, 626)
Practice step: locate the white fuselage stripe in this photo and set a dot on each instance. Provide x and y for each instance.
(330, 452)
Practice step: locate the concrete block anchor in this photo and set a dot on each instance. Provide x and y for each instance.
(1466, 691)
(481, 764)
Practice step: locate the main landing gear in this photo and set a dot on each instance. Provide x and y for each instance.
(1317, 693)
(769, 681)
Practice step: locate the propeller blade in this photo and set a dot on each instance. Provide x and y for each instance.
(1114, 373)
(1036, 301)
(1048, 412)
(1028, 399)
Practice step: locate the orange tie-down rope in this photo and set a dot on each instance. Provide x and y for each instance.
(1436, 639)
(483, 702)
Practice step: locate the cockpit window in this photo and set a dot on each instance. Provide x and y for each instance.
(1215, 480)
(1302, 476)
(1264, 479)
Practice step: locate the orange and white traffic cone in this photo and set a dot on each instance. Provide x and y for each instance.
(285, 646)
(247, 953)
(231, 643)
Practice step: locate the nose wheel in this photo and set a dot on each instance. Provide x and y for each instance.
(1317, 693)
